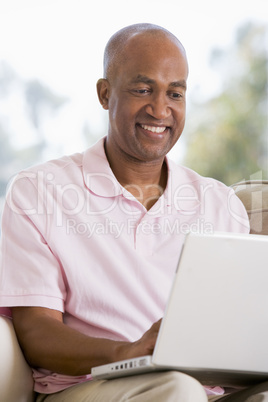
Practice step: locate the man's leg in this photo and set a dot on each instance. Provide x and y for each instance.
(158, 387)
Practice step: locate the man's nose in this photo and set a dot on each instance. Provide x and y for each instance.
(158, 107)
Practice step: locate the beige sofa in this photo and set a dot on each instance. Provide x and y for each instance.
(254, 195)
(16, 384)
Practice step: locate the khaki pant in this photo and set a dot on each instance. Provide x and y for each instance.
(157, 387)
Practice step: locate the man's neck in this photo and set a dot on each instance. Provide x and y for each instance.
(146, 181)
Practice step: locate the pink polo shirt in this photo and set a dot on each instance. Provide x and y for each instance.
(74, 240)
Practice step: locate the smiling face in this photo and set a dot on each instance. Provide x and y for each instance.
(145, 96)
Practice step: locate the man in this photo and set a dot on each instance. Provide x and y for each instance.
(91, 241)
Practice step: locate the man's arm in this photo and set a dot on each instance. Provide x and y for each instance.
(50, 344)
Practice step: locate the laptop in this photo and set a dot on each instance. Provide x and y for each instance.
(215, 327)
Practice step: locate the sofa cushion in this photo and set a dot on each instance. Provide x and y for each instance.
(254, 195)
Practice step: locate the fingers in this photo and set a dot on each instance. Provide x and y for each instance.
(148, 340)
(143, 346)
(156, 325)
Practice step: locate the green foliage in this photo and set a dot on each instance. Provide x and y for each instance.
(228, 138)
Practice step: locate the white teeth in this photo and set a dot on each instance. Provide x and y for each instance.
(153, 128)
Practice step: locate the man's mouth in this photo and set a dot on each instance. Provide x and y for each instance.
(154, 129)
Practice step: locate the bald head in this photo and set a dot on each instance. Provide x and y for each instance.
(115, 54)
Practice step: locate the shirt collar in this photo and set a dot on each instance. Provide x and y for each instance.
(98, 175)
(180, 193)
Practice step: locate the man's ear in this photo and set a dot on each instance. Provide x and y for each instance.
(103, 90)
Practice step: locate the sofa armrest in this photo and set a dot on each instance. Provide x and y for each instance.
(254, 195)
(16, 381)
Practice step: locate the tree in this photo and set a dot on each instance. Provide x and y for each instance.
(228, 138)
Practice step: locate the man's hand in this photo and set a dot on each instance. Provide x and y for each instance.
(144, 346)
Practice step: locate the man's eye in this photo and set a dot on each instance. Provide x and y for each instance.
(176, 95)
(141, 91)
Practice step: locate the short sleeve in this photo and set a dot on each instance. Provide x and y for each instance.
(30, 274)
